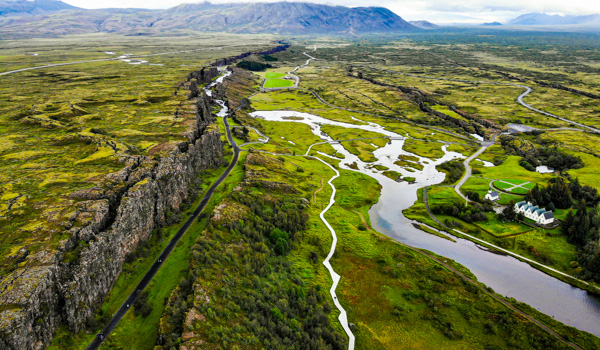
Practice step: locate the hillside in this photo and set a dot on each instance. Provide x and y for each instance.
(544, 19)
(424, 24)
(279, 18)
(35, 7)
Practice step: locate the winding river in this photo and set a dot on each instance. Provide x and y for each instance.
(506, 275)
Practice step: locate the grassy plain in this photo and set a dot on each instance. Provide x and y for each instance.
(64, 129)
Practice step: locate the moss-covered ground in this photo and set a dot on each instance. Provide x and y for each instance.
(64, 129)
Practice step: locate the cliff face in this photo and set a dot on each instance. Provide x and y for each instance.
(230, 60)
(68, 285)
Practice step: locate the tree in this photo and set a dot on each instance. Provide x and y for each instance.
(141, 306)
(508, 213)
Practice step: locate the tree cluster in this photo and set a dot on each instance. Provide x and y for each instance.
(454, 170)
(508, 213)
(254, 66)
(258, 299)
(581, 229)
(562, 194)
(582, 226)
(468, 214)
(543, 155)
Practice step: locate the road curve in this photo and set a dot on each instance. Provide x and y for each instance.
(98, 340)
(290, 73)
(528, 90)
(467, 175)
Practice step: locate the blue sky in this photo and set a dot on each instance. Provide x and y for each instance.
(440, 11)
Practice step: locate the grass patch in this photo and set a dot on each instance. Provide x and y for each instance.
(278, 83)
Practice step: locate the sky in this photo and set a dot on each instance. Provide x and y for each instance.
(437, 11)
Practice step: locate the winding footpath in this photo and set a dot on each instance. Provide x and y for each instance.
(105, 59)
(335, 277)
(99, 339)
(528, 90)
(343, 318)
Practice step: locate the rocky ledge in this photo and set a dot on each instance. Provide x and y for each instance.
(67, 285)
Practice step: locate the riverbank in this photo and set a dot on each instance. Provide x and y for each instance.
(537, 265)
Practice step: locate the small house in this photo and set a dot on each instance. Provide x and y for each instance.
(535, 213)
(530, 210)
(492, 195)
(546, 218)
(519, 207)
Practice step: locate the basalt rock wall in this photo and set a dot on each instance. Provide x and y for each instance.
(67, 285)
(230, 60)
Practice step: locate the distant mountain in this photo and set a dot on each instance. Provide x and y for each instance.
(32, 7)
(534, 19)
(492, 24)
(424, 24)
(279, 18)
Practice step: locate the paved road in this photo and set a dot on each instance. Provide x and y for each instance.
(264, 139)
(468, 168)
(528, 90)
(165, 253)
(291, 74)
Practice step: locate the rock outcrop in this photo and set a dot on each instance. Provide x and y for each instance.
(67, 285)
(230, 60)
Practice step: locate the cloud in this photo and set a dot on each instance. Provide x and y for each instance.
(435, 10)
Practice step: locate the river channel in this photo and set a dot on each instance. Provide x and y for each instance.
(505, 274)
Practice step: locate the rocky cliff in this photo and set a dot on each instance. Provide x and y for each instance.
(66, 286)
(230, 60)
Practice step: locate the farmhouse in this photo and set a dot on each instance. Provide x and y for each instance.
(492, 195)
(535, 213)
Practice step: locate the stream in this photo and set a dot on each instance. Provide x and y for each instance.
(505, 274)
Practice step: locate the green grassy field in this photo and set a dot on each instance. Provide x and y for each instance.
(274, 75)
(278, 83)
(509, 186)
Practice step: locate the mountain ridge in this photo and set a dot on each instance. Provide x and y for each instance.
(277, 18)
(32, 7)
(424, 24)
(535, 18)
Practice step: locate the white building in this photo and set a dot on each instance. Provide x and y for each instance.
(535, 213)
(492, 195)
